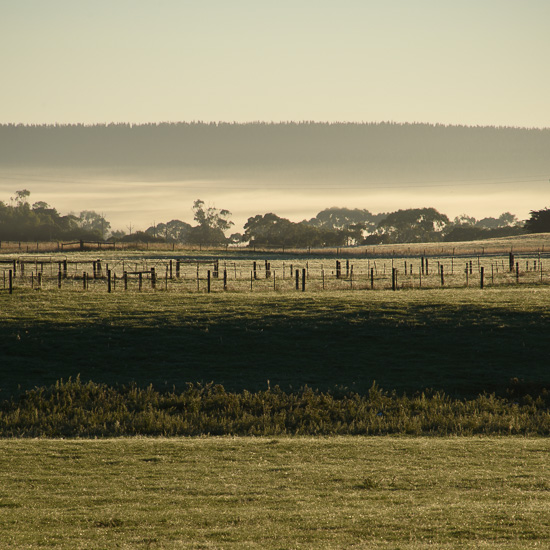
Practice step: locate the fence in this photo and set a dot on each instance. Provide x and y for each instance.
(244, 275)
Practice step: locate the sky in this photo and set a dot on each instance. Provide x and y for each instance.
(481, 62)
(473, 62)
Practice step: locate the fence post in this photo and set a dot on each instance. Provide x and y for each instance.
(372, 278)
(39, 279)
(254, 267)
(125, 280)
(511, 261)
(59, 279)
(10, 281)
(393, 278)
(140, 280)
(481, 274)
(177, 269)
(153, 278)
(303, 280)
(297, 275)
(64, 269)
(171, 273)
(208, 281)
(225, 279)
(108, 280)
(517, 272)
(442, 275)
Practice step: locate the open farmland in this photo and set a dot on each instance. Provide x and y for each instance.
(344, 331)
(276, 493)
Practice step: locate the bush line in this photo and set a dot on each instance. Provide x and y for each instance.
(77, 409)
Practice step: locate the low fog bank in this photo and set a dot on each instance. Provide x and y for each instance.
(138, 204)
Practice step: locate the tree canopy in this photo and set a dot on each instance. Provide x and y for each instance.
(539, 222)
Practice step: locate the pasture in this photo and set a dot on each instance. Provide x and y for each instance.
(339, 334)
(78, 314)
(276, 493)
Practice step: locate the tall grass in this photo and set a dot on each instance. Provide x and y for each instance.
(77, 409)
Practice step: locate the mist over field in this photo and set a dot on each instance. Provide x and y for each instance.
(137, 175)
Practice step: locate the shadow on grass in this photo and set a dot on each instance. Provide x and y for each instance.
(462, 352)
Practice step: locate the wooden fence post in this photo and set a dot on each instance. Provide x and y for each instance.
(481, 274)
(297, 279)
(140, 280)
(208, 281)
(372, 278)
(125, 280)
(10, 281)
(225, 279)
(254, 267)
(517, 272)
(442, 275)
(303, 280)
(153, 278)
(394, 278)
(108, 280)
(39, 279)
(177, 269)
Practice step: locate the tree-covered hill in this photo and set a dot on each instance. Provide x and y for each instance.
(342, 151)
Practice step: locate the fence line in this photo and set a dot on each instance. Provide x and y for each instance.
(244, 275)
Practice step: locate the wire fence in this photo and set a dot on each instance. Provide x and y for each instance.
(150, 274)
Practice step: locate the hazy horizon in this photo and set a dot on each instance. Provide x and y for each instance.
(469, 64)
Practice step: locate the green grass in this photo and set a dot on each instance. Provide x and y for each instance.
(461, 341)
(74, 409)
(276, 493)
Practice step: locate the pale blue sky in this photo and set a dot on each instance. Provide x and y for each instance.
(470, 62)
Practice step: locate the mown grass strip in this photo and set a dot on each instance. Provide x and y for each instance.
(272, 493)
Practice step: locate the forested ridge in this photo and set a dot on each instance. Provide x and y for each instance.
(353, 149)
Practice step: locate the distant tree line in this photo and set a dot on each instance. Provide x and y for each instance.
(191, 148)
(330, 227)
(19, 221)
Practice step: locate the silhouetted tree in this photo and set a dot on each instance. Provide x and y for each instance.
(414, 225)
(539, 222)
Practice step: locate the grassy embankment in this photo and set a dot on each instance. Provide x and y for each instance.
(276, 493)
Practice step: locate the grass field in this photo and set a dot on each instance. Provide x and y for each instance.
(394, 493)
(463, 341)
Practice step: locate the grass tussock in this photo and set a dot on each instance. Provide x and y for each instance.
(77, 409)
